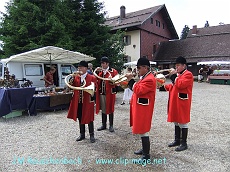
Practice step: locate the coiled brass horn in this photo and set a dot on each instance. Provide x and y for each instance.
(89, 89)
(105, 79)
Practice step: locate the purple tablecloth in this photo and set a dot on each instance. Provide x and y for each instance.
(15, 99)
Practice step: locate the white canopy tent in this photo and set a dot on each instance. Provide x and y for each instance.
(50, 54)
(135, 63)
(214, 63)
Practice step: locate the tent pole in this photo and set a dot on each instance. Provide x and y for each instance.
(50, 58)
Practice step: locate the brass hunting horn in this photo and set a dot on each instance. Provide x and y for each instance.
(89, 89)
(105, 79)
(117, 79)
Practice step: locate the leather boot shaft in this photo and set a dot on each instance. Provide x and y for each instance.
(145, 147)
(104, 120)
(111, 116)
(176, 141)
(183, 146)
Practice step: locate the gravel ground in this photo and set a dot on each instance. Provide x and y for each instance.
(46, 142)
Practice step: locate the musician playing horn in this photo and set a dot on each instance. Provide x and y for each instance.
(179, 103)
(142, 104)
(82, 103)
(106, 94)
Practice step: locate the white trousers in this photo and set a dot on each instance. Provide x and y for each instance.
(181, 125)
(127, 94)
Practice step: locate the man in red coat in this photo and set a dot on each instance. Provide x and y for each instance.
(82, 103)
(142, 104)
(179, 104)
(106, 94)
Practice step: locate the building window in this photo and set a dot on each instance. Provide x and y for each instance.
(163, 25)
(151, 20)
(126, 59)
(154, 48)
(127, 40)
(158, 23)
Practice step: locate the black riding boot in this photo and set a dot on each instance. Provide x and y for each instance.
(104, 120)
(111, 122)
(145, 147)
(183, 145)
(139, 152)
(176, 142)
(91, 132)
(82, 132)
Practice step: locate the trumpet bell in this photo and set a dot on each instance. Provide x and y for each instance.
(118, 78)
(89, 89)
(124, 84)
(160, 78)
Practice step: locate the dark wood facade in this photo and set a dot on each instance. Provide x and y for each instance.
(153, 23)
(202, 44)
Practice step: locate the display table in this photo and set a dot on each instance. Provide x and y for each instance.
(15, 99)
(219, 79)
(49, 102)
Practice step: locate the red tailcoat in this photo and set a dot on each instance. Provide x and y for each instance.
(180, 97)
(142, 104)
(88, 102)
(110, 92)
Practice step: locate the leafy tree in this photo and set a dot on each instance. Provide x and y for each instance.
(184, 32)
(76, 25)
(31, 24)
(115, 47)
(90, 35)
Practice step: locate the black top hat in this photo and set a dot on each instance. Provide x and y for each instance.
(181, 60)
(83, 64)
(105, 59)
(143, 62)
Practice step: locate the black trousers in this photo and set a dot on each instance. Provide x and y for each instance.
(79, 112)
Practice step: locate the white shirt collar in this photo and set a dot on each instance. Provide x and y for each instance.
(105, 70)
(83, 76)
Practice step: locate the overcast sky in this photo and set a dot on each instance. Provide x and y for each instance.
(182, 12)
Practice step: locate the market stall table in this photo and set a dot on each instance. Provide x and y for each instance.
(49, 102)
(219, 80)
(15, 99)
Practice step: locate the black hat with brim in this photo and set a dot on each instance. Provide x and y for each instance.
(181, 60)
(104, 59)
(83, 64)
(143, 62)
